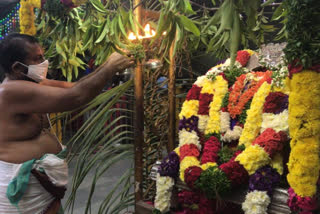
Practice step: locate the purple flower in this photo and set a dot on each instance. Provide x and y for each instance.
(190, 124)
(170, 165)
(264, 179)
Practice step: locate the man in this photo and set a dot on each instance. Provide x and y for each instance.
(25, 97)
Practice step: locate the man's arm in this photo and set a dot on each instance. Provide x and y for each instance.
(64, 84)
(57, 83)
(26, 97)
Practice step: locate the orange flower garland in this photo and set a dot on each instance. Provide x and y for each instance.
(237, 99)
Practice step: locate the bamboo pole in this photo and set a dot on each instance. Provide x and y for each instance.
(172, 101)
(139, 114)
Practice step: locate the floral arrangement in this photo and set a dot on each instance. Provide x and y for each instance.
(302, 56)
(27, 17)
(235, 134)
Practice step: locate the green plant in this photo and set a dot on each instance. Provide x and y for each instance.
(95, 150)
(303, 30)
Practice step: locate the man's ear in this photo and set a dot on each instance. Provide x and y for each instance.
(18, 67)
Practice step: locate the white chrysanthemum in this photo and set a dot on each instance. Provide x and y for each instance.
(278, 122)
(164, 191)
(232, 135)
(224, 121)
(214, 71)
(200, 81)
(186, 137)
(202, 123)
(256, 202)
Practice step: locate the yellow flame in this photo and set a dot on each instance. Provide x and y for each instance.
(148, 33)
(132, 36)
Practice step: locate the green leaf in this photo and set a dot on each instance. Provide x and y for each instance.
(189, 25)
(188, 8)
(60, 51)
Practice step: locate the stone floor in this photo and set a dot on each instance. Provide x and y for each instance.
(103, 186)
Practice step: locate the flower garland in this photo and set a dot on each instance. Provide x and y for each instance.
(304, 126)
(264, 134)
(254, 119)
(238, 98)
(221, 88)
(262, 159)
(27, 17)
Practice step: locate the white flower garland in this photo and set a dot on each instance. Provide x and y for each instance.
(229, 135)
(164, 191)
(186, 137)
(256, 202)
(278, 122)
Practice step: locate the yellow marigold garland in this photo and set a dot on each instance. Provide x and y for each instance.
(304, 127)
(189, 109)
(27, 17)
(221, 88)
(254, 119)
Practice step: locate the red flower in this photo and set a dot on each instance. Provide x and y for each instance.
(276, 102)
(271, 141)
(204, 102)
(191, 174)
(194, 93)
(210, 150)
(305, 204)
(189, 150)
(243, 57)
(236, 173)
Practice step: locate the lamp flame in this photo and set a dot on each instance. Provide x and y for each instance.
(148, 33)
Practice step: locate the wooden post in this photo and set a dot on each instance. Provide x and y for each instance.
(172, 101)
(139, 114)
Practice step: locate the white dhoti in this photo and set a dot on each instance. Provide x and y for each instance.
(22, 193)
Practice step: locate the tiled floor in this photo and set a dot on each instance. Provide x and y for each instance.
(103, 186)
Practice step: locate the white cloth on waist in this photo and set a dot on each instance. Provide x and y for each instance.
(35, 199)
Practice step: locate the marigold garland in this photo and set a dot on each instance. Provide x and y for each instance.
(304, 126)
(238, 98)
(221, 88)
(27, 17)
(254, 118)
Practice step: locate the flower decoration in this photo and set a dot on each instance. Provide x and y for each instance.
(235, 134)
(190, 124)
(271, 141)
(191, 175)
(264, 179)
(170, 165)
(276, 102)
(27, 17)
(256, 202)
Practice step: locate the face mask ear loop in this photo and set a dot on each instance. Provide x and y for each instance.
(23, 64)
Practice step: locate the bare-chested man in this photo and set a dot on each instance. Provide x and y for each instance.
(25, 99)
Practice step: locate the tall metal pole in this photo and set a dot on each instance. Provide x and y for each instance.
(172, 100)
(139, 114)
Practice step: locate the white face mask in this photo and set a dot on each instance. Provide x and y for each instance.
(37, 72)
